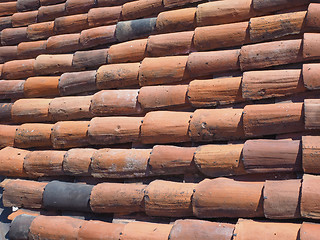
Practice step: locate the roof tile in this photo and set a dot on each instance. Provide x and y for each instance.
(25, 18)
(262, 5)
(8, 8)
(27, 5)
(13, 36)
(96, 230)
(53, 64)
(7, 133)
(63, 43)
(309, 231)
(141, 8)
(8, 53)
(5, 112)
(18, 69)
(310, 74)
(104, 16)
(310, 154)
(309, 197)
(40, 31)
(77, 161)
(313, 19)
(97, 36)
(79, 6)
(49, 13)
(311, 48)
(41, 87)
(71, 24)
(12, 160)
(311, 113)
(84, 60)
(32, 49)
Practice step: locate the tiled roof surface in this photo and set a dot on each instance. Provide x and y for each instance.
(159, 119)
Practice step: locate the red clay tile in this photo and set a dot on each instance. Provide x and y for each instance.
(163, 198)
(264, 55)
(69, 108)
(131, 51)
(32, 49)
(271, 83)
(219, 160)
(13, 36)
(79, 6)
(33, 135)
(311, 50)
(21, 193)
(310, 197)
(243, 199)
(170, 44)
(310, 154)
(177, 3)
(8, 53)
(63, 43)
(282, 199)
(262, 156)
(311, 113)
(45, 227)
(104, 16)
(100, 230)
(83, 60)
(24, 18)
(70, 134)
(7, 133)
(71, 24)
(48, 13)
(53, 64)
(113, 130)
(77, 82)
(117, 75)
(98, 36)
(268, 5)
(44, 163)
(8, 8)
(268, 119)
(176, 20)
(39, 31)
(310, 74)
(5, 22)
(207, 63)
(141, 8)
(165, 127)
(214, 92)
(41, 87)
(313, 20)
(171, 160)
(249, 230)
(196, 229)
(18, 69)
(77, 161)
(27, 5)
(117, 197)
(276, 26)
(31, 110)
(11, 160)
(309, 231)
(216, 124)
(154, 71)
(5, 112)
(11, 89)
(157, 97)
(221, 36)
(145, 230)
(220, 12)
(120, 163)
(115, 102)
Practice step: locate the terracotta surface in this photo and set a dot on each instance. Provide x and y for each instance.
(163, 198)
(8, 53)
(165, 127)
(221, 36)
(219, 160)
(100, 230)
(207, 63)
(262, 156)
(271, 83)
(249, 230)
(39, 31)
(117, 75)
(11, 161)
(159, 97)
(33, 135)
(310, 46)
(31, 110)
(18, 69)
(11, 89)
(213, 92)
(41, 87)
(264, 55)
(310, 76)
(117, 197)
(142, 8)
(243, 199)
(104, 16)
(5, 112)
(143, 230)
(8, 8)
(311, 113)
(44, 163)
(282, 199)
(79, 6)
(216, 124)
(32, 49)
(71, 24)
(7, 134)
(53, 64)
(195, 229)
(310, 154)
(45, 227)
(271, 119)
(69, 108)
(120, 163)
(27, 5)
(115, 102)
(167, 160)
(24, 19)
(97, 36)
(77, 161)
(13, 36)
(154, 71)
(313, 20)
(309, 231)
(261, 5)
(310, 197)
(20, 193)
(70, 134)
(113, 130)
(63, 43)
(83, 60)
(48, 13)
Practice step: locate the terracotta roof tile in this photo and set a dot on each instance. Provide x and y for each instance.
(41, 86)
(97, 36)
(309, 197)
(8, 53)
(23, 19)
(96, 229)
(13, 36)
(52, 64)
(63, 43)
(77, 161)
(8, 8)
(11, 89)
(7, 133)
(39, 31)
(18, 69)
(310, 155)
(32, 49)
(26, 5)
(85, 60)
(141, 8)
(5, 112)
(71, 24)
(104, 16)
(309, 231)
(79, 6)
(48, 13)
(12, 161)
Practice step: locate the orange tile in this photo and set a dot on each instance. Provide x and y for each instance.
(8, 8)
(310, 74)
(310, 197)
(51, 12)
(313, 20)
(32, 49)
(7, 133)
(53, 64)
(311, 113)
(311, 50)
(63, 43)
(40, 31)
(309, 231)
(100, 230)
(269, 5)
(77, 161)
(13, 36)
(104, 16)
(79, 6)
(18, 69)
(24, 18)
(310, 154)
(141, 8)
(8, 53)
(11, 89)
(41, 87)
(12, 160)
(98, 36)
(71, 24)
